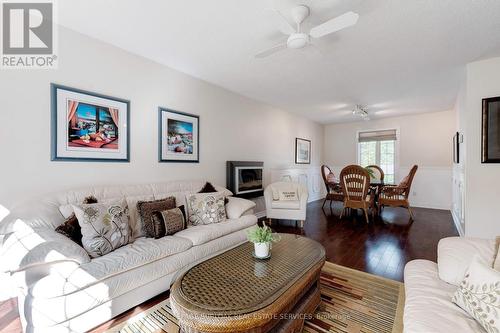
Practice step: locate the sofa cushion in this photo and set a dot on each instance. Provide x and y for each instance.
(201, 234)
(428, 306)
(141, 252)
(455, 255)
(47, 311)
(288, 204)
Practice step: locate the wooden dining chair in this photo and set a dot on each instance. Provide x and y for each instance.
(397, 195)
(355, 181)
(377, 172)
(333, 190)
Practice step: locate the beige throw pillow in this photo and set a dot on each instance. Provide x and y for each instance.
(105, 226)
(206, 208)
(479, 295)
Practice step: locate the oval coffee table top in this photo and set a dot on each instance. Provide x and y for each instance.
(235, 283)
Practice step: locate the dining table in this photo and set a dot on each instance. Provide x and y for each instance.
(374, 183)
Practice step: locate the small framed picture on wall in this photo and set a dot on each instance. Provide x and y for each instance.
(302, 151)
(178, 136)
(87, 126)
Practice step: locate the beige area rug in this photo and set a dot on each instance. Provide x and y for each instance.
(352, 302)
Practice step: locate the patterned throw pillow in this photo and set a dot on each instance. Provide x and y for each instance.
(206, 208)
(146, 210)
(168, 222)
(479, 295)
(105, 227)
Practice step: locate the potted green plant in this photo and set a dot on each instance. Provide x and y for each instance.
(262, 237)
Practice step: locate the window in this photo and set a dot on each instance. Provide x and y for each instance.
(378, 148)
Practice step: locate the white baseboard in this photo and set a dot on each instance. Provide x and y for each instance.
(456, 220)
(429, 206)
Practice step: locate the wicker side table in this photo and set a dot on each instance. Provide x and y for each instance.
(234, 292)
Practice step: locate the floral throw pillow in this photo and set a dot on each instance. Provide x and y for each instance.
(206, 208)
(479, 295)
(105, 227)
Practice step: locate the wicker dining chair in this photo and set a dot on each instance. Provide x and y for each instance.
(377, 171)
(397, 195)
(333, 191)
(355, 181)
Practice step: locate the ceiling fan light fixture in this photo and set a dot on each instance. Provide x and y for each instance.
(360, 110)
(297, 41)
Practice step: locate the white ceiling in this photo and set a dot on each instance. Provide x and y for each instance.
(403, 56)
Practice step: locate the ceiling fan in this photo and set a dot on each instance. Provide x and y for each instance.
(298, 39)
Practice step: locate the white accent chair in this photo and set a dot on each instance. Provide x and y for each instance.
(286, 209)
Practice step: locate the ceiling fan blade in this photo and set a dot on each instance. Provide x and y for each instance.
(283, 25)
(338, 23)
(271, 50)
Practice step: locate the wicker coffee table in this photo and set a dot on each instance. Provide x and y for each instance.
(234, 292)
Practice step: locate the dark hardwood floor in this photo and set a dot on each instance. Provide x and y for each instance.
(382, 247)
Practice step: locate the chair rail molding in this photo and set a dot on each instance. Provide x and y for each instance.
(310, 176)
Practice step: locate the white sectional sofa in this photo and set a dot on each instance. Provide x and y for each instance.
(429, 287)
(61, 289)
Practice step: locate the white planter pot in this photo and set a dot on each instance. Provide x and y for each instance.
(262, 249)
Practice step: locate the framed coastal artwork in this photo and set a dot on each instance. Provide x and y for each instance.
(178, 136)
(490, 138)
(302, 151)
(87, 126)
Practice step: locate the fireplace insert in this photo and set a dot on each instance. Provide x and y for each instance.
(245, 179)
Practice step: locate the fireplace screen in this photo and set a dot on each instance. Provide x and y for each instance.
(248, 179)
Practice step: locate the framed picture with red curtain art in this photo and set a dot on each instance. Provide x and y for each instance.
(89, 127)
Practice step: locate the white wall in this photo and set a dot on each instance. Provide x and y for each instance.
(424, 139)
(232, 127)
(482, 180)
(459, 184)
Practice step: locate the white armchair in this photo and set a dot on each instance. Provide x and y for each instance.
(277, 207)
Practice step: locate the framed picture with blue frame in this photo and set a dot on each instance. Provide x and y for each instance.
(178, 136)
(87, 126)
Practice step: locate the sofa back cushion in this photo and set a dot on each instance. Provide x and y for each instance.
(455, 254)
(44, 211)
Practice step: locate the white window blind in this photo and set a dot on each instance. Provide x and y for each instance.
(381, 135)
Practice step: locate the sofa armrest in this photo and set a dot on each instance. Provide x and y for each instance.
(268, 196)
(29, 248)
(456, 253)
